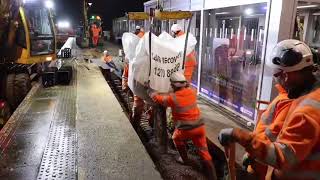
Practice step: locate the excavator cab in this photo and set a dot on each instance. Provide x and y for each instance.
(35, 33)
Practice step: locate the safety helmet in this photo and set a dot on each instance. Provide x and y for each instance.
(178, 79)
(290, 55)
(105, 52)
(138, 27)
(175, 28)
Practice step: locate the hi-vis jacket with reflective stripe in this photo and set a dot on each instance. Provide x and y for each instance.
(271, 121)
(269, 126)
(190, 62)
(185, 112)
(295, 154)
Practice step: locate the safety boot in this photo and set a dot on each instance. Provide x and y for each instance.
(209, 170)
(183, 155)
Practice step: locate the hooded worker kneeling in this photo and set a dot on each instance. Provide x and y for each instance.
(186, 118)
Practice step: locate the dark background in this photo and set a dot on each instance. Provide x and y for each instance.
(71, 10)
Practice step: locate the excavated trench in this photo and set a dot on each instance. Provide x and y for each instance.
(166, 162)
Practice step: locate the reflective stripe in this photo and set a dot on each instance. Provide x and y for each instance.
(202, 148)
(187, 125)
(288, 153)
(165, 101)
(181, 109)
(268, 119)
(189, 59)
(269, 134)
(175, 101)
(271, 157)
(310, 102)
(186, 108)
(303, 175)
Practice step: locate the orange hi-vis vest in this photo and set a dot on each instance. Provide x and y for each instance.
(279, 106)
(95, 31)
(107, 59)
(295, 154)
(185, 111)
(269, 126)
(140, 34)
(297, 150)
(190, 62)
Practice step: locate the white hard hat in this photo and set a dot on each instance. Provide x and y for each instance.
(138, 27)
(178, 79)
(105, 52)
(290, 55)
(176, 27)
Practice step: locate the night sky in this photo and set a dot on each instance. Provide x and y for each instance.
(71, 10)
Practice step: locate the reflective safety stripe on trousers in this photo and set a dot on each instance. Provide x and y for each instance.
(188, 125)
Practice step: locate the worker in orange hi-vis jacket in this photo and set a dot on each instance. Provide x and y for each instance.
(186, 118)
(95, 34)
(106, 56)
(139, 31)
(295, 152)
(268, 127)
(191, 61)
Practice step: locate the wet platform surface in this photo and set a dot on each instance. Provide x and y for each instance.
(77, 131)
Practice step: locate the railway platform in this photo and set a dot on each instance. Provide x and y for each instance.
(77, 131)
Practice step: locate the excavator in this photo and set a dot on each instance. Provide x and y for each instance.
(27, 43)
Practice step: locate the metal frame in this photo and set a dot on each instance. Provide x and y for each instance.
(280, 15)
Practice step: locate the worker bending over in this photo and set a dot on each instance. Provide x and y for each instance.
(138, 103)
(186, 118)
(191, 61)
(106, 56)
(295, 153)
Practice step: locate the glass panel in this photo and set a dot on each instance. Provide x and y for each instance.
(41, 31)
(232, 54)
(307, 26)
(195, 30)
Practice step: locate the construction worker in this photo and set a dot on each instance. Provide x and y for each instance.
(295, 152)
(139, 31)
(138, 103)
(106, 56)
(268, 127)
(186, 118)
(95, 34)
(191, 61)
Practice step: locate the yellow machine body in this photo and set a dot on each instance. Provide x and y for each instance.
(26, 56)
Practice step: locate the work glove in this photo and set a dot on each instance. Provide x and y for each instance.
(151, 92)
(226, 136)
(246, 161)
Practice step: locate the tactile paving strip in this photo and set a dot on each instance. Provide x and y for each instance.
(59, 158)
